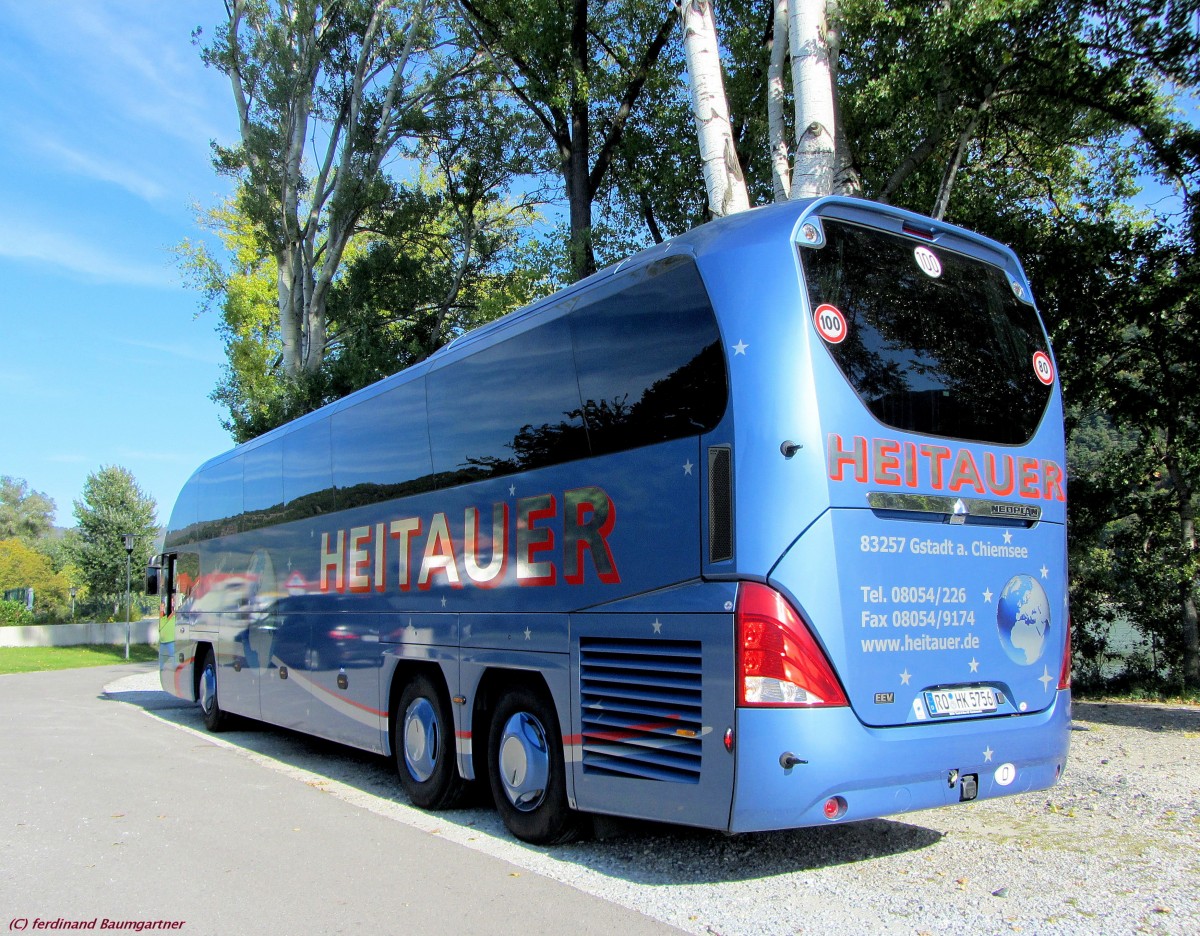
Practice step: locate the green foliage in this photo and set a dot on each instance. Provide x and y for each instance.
(25, 514)
(22, 566)
(1119, 292)
(14, 614)
(242, 291)
(1003, 94)
(111, 506)
(1136, 360)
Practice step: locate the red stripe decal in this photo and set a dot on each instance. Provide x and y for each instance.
(342, 698)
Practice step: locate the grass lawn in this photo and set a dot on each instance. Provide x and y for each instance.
(36, 659)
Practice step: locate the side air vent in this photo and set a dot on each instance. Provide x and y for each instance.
(641, 703)
(720, 504)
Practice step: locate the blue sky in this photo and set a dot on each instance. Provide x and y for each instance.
(107, 113)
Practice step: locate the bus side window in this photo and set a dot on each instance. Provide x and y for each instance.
(184, 572)
(166, 586)
(649, 360)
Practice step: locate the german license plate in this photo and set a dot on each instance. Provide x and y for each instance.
(972, 701)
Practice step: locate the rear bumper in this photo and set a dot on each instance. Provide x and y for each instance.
(884, 771)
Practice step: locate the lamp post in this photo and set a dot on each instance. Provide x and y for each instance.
(73, 591)
(128, 538)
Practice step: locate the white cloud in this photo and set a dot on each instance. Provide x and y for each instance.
(95, 167)
(187, 352)
(29, 242)
(133, 65)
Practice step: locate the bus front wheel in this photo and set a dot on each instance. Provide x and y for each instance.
(215, 718)
(424, 746)
(527, 772)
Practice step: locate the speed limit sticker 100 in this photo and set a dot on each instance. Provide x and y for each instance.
(831, 324)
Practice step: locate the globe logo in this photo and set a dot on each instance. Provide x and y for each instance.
(1023, 619)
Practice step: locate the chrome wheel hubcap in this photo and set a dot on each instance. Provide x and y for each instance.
(422, 740)
(208, 689)
(524, 761)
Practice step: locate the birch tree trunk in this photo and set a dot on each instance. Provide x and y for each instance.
(776, 98)
(812, 88)
(723, 178)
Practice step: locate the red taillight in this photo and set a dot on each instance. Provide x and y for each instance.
(834, 808)
(1064, 675)
(779, 661)
(923, 233)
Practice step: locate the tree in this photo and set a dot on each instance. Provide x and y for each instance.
(1136, 364)
(22, 566)
(438, 257)
(111, 506)
(933, 90)
(580, 70)
(24, 514)
(351, 80)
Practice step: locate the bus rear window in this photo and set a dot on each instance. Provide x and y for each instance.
(941, 347)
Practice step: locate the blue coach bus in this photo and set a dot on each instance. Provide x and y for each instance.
(761, 528)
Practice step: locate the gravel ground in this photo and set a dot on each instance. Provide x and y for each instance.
(1114, 848)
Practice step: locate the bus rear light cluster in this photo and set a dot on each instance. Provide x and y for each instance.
(779, 661)
(1064, 675)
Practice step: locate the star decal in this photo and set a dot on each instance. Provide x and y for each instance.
(905, 677)
(443, 601)
(657, 625)
(987, 595)
(974, 664)
(987, 754)
(1045, 679)
(739, 348)
(528, 633)
(1045, 571)
(1007, 536)
(512, 490)
(688, 466)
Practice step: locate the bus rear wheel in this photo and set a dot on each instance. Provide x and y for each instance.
(215, 718)
(424, 746)
(527, 772)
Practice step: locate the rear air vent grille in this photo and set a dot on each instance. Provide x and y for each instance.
(720, 504)
(641, 708)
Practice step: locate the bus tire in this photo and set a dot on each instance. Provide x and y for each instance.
(526, 769)
(424, 746)
(215, 718)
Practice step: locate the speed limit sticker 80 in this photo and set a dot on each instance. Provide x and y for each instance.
(831, 324)
(1043, 367)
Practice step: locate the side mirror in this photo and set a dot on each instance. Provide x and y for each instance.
(152, 574)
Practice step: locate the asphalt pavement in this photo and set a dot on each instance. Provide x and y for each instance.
(111, 819)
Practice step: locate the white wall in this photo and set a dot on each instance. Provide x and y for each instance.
(144, 631)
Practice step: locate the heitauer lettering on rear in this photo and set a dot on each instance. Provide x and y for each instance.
(892, 463)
